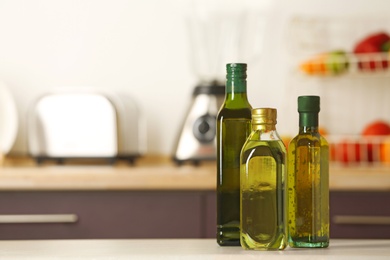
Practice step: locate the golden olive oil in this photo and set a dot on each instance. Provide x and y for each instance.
(308, 181)
(263, 173)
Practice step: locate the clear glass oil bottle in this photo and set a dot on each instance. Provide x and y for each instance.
(233, 128)
(263, 173)
(308, 180)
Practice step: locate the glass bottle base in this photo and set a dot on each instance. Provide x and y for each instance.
(248, 243)
(228, 242)
(228, 236)
(305, 243)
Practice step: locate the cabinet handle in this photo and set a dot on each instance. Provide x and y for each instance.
(361, 220)
(38, 218)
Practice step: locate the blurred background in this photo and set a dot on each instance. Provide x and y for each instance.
(123, 78)
(158, 51)
(142, 48)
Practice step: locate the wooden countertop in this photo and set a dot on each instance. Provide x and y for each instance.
(183, 249)
(157, 174)
(152, 173)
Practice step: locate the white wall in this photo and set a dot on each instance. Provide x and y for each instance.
(143, 48)
(140, 47)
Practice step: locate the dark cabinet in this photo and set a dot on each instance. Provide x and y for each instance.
(360, 214)
(105, 214)
(161, 214)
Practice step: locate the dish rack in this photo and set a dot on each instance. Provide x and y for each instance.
(352, 98)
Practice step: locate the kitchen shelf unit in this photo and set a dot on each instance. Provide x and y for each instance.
(329, 64)
(354, 88)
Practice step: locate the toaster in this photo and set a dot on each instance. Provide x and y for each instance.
(85, 125)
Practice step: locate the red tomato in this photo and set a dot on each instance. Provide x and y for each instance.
(375, 128)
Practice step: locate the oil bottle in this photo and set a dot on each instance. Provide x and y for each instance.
(308, 180)
(263, 171)
(233, 128)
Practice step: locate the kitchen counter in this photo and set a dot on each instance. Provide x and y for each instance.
(158, 174)
(158, 199)
(182, 249)
(160, 177)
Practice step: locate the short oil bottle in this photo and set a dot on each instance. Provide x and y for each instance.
(262, 185)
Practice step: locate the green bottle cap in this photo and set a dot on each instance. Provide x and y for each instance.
(236, 70)
(236, 78)
(309, 104)
(308, 108)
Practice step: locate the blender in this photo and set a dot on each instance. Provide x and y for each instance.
(217, 38)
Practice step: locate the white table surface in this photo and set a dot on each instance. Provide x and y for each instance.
(182, 249)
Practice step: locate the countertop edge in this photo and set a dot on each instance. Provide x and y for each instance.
(161, 177)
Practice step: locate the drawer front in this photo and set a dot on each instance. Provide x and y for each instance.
(360, 214)
(210, 223)
(105, 214)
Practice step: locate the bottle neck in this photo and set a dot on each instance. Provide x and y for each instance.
(308, 120)
(265, 132)
(236, 94)
(235, 85)
(308, 129)
(263, 127)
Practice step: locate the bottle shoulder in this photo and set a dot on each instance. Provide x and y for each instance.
(309, 139)
(254, 149)
(241, 112)
(254, 142)
(237, 101)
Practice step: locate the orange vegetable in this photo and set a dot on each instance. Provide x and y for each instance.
(315, 66)
(332, 63)
(385, 151)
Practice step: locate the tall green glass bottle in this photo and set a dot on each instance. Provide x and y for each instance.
(308, 180)
(233, 128)
(263, 173)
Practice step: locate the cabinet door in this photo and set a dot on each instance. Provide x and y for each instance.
(102, 214)
(360, 214)
(210, 220)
